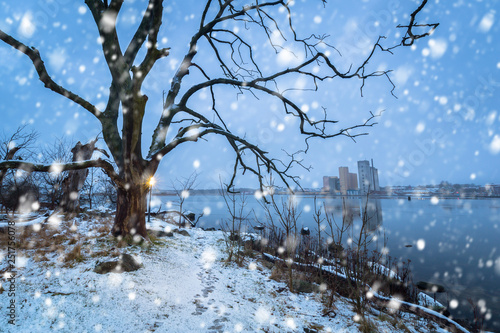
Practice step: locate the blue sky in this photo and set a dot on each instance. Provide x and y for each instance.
(443, 125)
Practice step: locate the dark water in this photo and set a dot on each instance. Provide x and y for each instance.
(454, 242)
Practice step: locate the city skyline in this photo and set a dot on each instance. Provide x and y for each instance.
(347, 182)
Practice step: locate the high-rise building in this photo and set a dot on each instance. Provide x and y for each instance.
(326, 184)
(375, 179)
(353, 181)
(348, 180)
(368, 177)
(344, 179)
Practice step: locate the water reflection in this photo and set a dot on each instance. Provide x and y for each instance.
(354, 208)
(373, 210)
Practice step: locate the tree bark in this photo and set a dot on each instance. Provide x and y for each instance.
(130, 217)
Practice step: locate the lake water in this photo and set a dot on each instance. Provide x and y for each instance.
(455, 242)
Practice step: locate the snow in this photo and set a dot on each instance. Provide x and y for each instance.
(25, 220)
(185, 285)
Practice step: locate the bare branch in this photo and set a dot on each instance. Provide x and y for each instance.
(410, 37)
(43, 75)
(60, 167)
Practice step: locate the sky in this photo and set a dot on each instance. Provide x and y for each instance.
(443, 124)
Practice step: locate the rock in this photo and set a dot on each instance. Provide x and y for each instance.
(161, 233)
(310, 330)
(302, 286)
(209, 229)
(125, 263)
(184, 233)
(233, 237)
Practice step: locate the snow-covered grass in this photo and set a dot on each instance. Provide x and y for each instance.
(185, 285)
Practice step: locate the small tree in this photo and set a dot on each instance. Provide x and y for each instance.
(90, 185)
(17, 146)
(235, 204)
(182, 188)
(17, 188)
(286, 213)
(52, 182)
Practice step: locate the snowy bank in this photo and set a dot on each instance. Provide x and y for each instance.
(185, 285)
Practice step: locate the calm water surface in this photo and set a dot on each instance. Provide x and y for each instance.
(454, 242)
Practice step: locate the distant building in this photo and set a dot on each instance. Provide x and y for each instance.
(348, 181)
(353, 181)
(344, 179)
(368, 177)
(331, 184)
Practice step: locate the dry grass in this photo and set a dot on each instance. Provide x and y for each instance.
(40, 241)
(74, 255)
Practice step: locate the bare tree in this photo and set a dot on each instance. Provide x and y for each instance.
(232, 227)
(179, 122)
(182, 188)
(285, 211)
(17, 188)
(52, 182)
(90, 185)
(17, 146)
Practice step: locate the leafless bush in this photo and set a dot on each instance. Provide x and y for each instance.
(479, 314)
(18, 189)
(286, 213)
(182, 188)
(235, 204)
(52, 183)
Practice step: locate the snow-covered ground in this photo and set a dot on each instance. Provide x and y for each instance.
(185, 285)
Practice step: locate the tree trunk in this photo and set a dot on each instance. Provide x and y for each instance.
(73, 183)
(130, 218)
